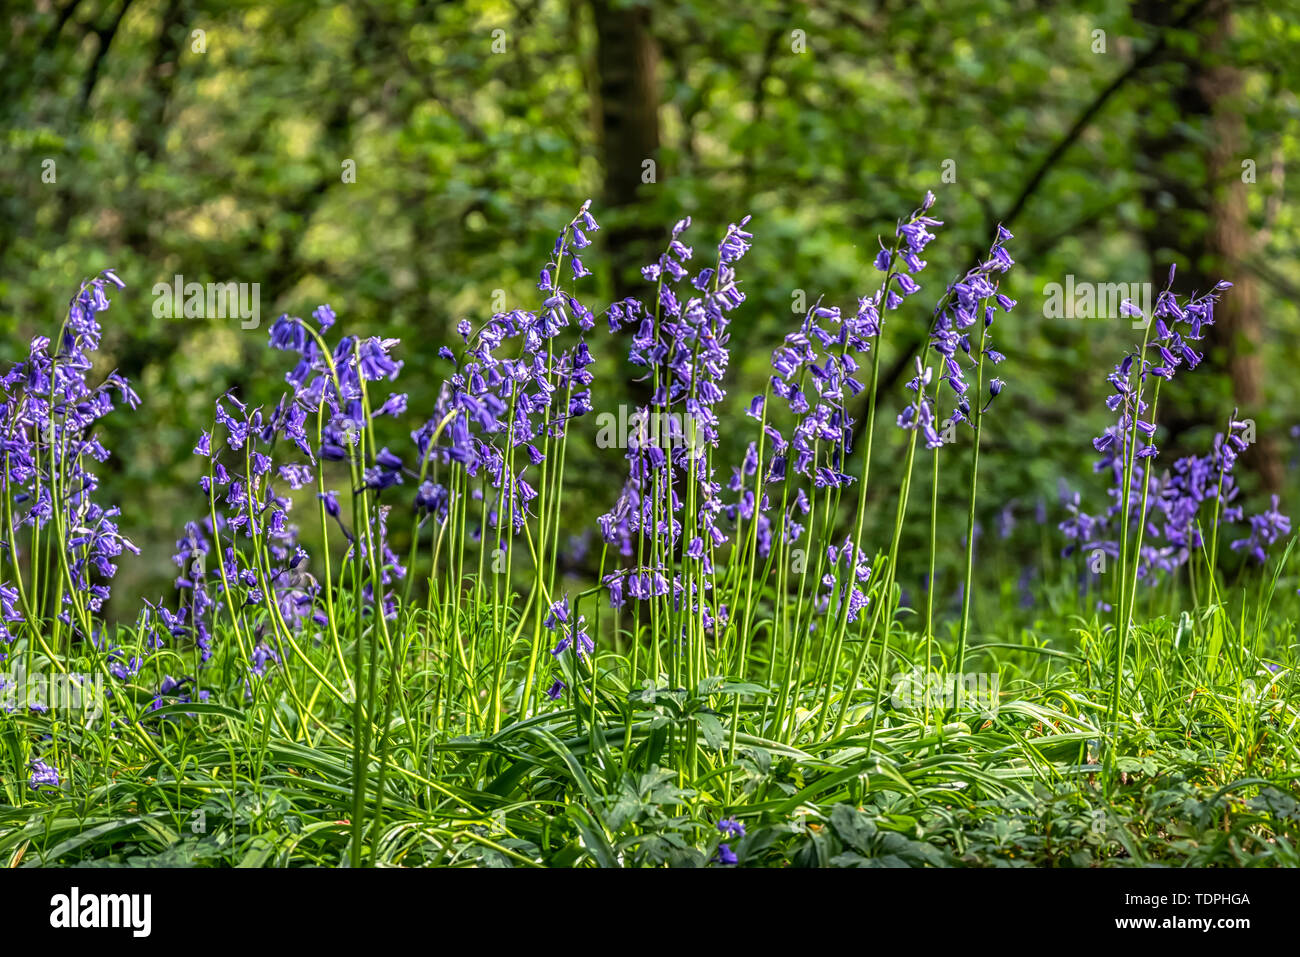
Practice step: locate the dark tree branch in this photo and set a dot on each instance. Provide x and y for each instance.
(896, 369)
(106, 36)
(65, 14)
(1084, 120)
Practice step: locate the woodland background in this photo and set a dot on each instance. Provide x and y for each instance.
(1111, 137)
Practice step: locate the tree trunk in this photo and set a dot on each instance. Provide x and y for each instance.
(1199, 220)
(627, 61)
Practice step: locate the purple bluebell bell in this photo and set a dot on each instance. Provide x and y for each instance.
(43, 773)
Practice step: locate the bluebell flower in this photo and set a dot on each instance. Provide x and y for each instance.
(731, 828)
(43, 773)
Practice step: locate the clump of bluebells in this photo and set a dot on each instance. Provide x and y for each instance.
(701, 558)
(1155, 524)
(259, 577)
(669, 519)
(1165, 515)
(491, 456)
(59, 547)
